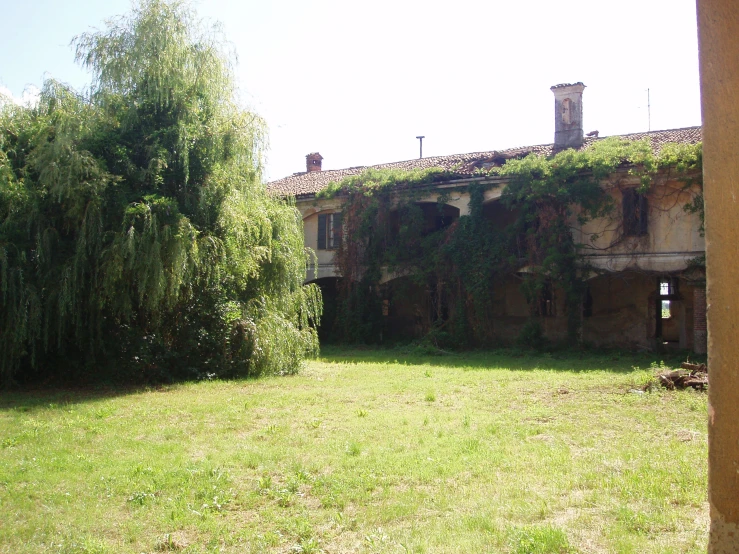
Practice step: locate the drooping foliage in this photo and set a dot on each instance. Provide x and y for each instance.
(463, 264)
(136, 236)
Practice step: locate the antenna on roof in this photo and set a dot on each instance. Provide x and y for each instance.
(649, 113)
(420, 153)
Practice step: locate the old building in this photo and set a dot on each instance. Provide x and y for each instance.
(645, 280)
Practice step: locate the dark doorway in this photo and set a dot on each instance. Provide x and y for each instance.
(668, 313)
(330, 293)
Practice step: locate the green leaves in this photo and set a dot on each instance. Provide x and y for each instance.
(373, 181)
(467, 263)
(135, 228)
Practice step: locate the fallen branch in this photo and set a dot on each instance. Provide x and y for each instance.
(691, 375)
(700, 368)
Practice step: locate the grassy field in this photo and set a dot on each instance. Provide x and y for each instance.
(364, 451)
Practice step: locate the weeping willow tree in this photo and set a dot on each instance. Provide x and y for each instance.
(135, 232)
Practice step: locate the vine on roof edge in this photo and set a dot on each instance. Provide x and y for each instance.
(463, 266)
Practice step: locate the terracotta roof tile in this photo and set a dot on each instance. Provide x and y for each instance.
(463, 165)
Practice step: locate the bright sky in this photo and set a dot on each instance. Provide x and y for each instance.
(358, 81)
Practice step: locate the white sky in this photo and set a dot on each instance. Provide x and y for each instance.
(357, 81)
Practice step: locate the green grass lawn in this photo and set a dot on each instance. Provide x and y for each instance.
(364, 451)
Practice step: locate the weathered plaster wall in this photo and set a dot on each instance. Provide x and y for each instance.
(325, 258)
(672, 239)
(460, 200)
(310, 209)
(624, 303)
(624, 313)
(620, 313)
(510, 312)
(718, 33)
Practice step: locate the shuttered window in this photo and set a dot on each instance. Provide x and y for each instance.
(335, 231)
(636, 212)
(329, 231)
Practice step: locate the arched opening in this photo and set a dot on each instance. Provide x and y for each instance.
(437, 216)
(503, 219)
(330, 291)
(498, 214)
(425, 217)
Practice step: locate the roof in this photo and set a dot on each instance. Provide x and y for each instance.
(302, 184)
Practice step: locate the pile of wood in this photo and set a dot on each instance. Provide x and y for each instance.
(690, 375)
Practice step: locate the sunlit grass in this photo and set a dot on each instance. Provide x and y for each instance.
(363, 452)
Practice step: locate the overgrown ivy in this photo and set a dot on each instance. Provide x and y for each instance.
(463, 265)
(375, 181)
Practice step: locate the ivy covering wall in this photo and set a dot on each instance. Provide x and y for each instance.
(463, 264)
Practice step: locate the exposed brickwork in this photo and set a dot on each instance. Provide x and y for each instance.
(313, 162)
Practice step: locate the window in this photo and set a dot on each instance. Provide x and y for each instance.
(666, 313)
(668, 286)
(667, 293)
(635, 211)
(329, 231)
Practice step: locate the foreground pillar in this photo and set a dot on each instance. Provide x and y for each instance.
(718, 34)
(700, 333)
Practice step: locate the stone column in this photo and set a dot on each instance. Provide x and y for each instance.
(700, 330)
(718, 35)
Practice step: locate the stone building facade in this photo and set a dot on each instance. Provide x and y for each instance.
(648, 287)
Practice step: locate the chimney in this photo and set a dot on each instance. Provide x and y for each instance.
(567, 115)
(313, 162)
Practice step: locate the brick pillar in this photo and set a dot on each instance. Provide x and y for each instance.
(700, 332)
(313, 162)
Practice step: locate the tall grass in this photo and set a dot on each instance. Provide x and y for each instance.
(516, 453)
